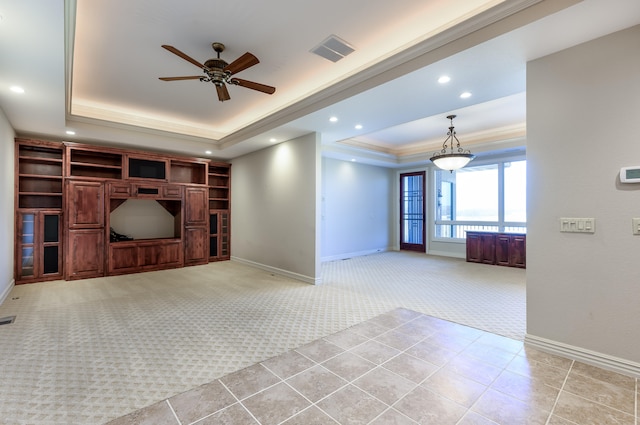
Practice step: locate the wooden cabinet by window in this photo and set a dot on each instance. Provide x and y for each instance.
(481, 247)
(504, 249)
(38, 245)
(85, 254)
(518, 251)
(503, 243)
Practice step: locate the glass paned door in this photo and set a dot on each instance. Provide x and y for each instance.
(412, 230)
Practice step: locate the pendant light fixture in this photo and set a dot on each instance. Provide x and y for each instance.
(448, 158)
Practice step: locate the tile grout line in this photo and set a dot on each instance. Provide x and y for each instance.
(352, 382)
(174, 412)
(219, 410)
(237, 401)
(555, 403)
(490, 387)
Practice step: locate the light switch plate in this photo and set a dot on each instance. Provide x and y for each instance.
(578, 225)
(636, 225)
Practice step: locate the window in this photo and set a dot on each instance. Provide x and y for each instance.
(489, 197)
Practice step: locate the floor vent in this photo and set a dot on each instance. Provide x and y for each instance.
(7, 320)
(333, 48)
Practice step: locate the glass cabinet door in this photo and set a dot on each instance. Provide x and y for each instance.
(51, 259)
(219, 236)
(224, 234)
(213, 235)
(39, 246)
(26, 237)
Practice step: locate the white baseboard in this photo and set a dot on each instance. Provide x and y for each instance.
(353, 254)
(604, 361)
(281, 272)
(7, 291)
(447, 254)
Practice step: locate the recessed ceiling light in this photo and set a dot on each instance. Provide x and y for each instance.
(17, 89)
(444, 79)
(358, 126)
(333, 119)
(353, 160)
(70, 132)
(273, 140)
(465, 95)
(208, 152)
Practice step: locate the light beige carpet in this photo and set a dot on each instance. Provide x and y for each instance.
(88, 351)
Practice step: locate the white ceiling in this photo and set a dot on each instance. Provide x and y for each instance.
(92, 66)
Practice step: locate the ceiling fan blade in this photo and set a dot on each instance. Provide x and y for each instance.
(192, 77)
(184, 56)
(223, 93)
(243, 62)
(254, 86)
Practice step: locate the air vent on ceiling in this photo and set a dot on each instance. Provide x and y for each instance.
(333, 48)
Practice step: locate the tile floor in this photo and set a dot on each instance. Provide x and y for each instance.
(404, 367)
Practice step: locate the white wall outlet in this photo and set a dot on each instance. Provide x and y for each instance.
(578, 225)
(636, 225)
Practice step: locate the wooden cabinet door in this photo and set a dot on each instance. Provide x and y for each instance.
(170, 254)
(85, 204)
(38, 245)
(518, 251)
(123, 258)
(503, 249)
(196, 201)
(160, 255)
(225, 235)
(488, 249)
(474, 248)
(196, 246)
(85, 254)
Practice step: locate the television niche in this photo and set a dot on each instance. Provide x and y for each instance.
(152, 230)
(147, 169)
(145, 219)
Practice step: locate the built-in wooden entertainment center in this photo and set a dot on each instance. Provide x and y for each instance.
(66, 193)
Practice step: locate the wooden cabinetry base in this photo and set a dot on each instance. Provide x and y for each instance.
(144, 255)
(502, 249)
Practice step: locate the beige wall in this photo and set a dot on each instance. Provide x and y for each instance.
(583, 124)
(357, 206)
(6, 205)
(274, 208)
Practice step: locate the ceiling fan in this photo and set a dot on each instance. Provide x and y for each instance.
(220, 73)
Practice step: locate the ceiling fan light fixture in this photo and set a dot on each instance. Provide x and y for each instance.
(448, 158)
(221, 73)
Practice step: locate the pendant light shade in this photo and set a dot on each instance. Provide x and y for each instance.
(448, 158)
